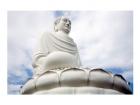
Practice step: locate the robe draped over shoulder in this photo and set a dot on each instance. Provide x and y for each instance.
(52, 42)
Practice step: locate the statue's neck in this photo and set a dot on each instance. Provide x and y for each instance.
(61, 33)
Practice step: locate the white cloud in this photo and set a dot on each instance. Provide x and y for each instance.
(23, 30)
(104, 38)
(128, 75)
(14, 89)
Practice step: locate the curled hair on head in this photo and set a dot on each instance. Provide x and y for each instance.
(56, 22)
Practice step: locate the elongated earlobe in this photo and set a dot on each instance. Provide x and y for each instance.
(55, 29)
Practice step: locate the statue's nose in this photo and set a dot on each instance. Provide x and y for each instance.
(68, 23)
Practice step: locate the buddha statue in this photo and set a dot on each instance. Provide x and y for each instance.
(57, 49)
(58, 68)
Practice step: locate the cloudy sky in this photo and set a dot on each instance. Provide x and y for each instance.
(104, 40)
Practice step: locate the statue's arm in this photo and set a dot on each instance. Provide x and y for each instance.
(79, 60)
(40, 52)
(37, 58)
(78, 56)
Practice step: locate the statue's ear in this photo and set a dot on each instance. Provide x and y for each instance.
(55, 29)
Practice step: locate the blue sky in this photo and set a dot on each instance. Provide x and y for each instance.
(104, 40)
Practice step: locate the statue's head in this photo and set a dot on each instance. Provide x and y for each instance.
(62, 24)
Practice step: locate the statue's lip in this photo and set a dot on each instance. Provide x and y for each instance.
(68, 27)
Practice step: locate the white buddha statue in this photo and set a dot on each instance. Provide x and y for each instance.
(56, 63)
(56, 50)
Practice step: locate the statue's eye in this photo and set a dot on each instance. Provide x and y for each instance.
(70, 22)
(65, 20)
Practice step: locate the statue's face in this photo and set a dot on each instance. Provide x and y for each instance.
(64, 25)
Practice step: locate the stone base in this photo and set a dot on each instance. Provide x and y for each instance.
(77, 81)
(78, 90)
